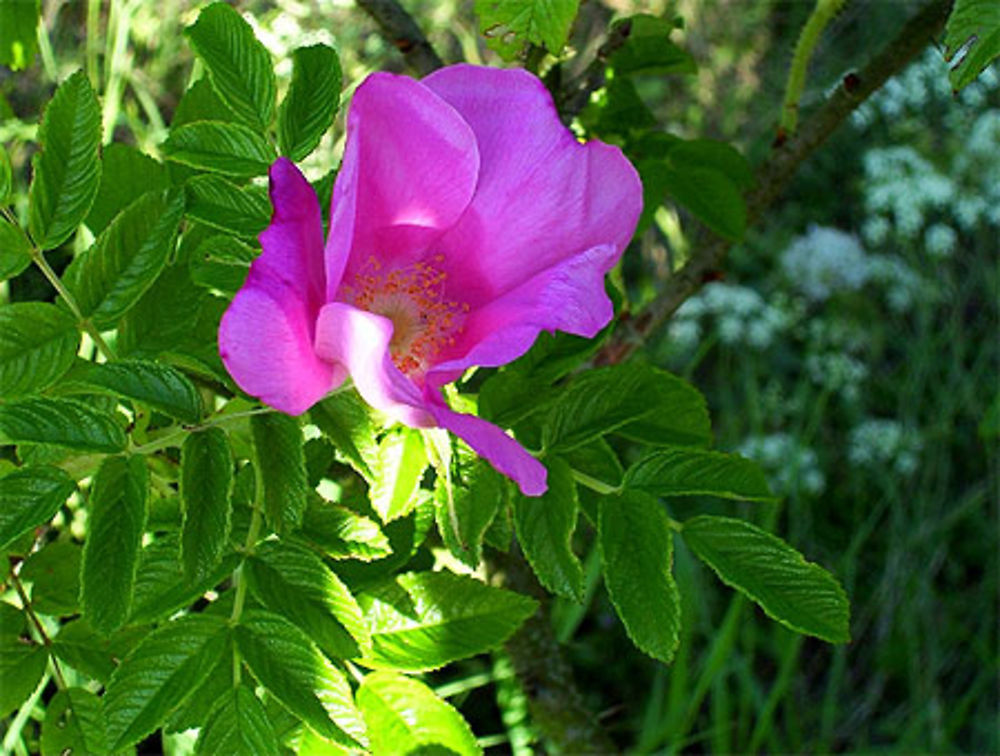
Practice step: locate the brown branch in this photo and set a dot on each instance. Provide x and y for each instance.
(774, 175)
(402, 31)
(576, 95)
(557, 708)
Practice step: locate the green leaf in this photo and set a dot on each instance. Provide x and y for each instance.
(698, 472)
(18, 40)
(222, 262)
(509, 25)
(709, 153)
(54, 574)
(637, 553)
(228, 148)
(74, 723)
(22, 661)
(311, 103)
(111, 276)
(798, 594)
(348, 422)
(598, 461)
(38, 342)
(164, 317)
(198, 710)
(281, 465)
(649, 50)
(6, 180)
(465, 508)
(341, 533)
(152, 383)
(424, 620)
(618, 112)
(544, 526)
(293, 670)
(63, 422)
(217, 203)
(15, 250)
(972, 34)
(161, 588)
(161, 672)
(296, 583)
(239, 65)
(126, 174)
(206, 488)
(67, 171)
(201, 103)
(404, 716)
(239, 724)
(31, 496)
(90, 653)
(117, 516)
(400, 465)
(626, 398)
(711, 196)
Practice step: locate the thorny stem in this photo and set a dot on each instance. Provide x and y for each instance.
(170, 438)
(399, 28)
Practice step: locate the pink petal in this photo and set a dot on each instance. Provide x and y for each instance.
(542, 196)
(410, 168)
(266, 335)
(359, 340)
(499, 449)
(568, 297)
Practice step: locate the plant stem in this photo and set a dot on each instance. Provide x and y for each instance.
(172, 435)
(253, 534)
(399, 28)
(15, 580)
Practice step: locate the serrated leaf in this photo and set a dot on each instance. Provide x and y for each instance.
(74, 723)
(206, 488)
(710, 153)
(54, 574)
(63, 422)
(972, 33)
(164, 317)
(111, 276)
(31, 496)
(798, 594)
(648, 49)
(637, 553)
(509, 25)
(197, 711)
(159, 674)
(348, 422)
(465, 508)
(18, 38)
(22, 661)
(239, 65)
(229, 148)
(239, 724)
(598, 461)
(399, 467)
(217, 203)
(161, 588)
(404, 716)
(117, 517)
(341, 533)
(201, 103)
(631, 399)
(293, 670)
(292, 581)
(66, 173)
(698, 472)
(94, 655)
(309, 107)
(15, 250)
(222, 262)
(38, 342)
(126, 174)
(544, 527)
(155, 384)
(281, 465)
(424, 620)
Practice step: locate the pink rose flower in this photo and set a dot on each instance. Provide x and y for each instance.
(465, 220)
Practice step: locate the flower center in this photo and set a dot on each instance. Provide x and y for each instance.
(412, 297)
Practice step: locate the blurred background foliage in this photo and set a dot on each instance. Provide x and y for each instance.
(851, 347)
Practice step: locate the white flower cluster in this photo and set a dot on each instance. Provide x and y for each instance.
(879, 444)
(824, 261)
(791, 466)
(902, 184)
(837, 372)
(740, 315)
